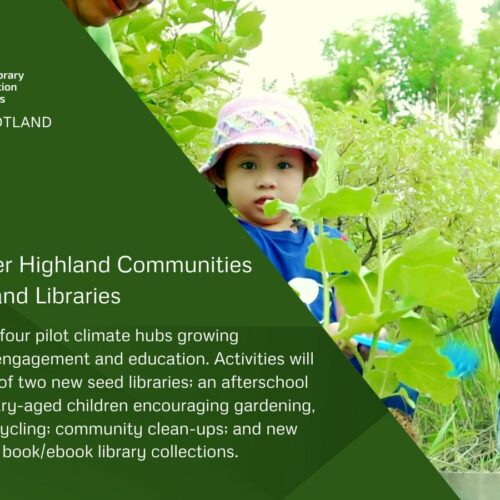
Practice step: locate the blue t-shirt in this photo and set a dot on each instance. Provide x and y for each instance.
(494, 319)
(287, 251)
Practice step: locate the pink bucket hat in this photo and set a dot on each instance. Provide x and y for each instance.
(264, 119)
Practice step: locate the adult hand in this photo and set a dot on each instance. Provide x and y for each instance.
(99, 12)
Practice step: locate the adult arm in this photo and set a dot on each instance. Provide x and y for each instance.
(494, 320)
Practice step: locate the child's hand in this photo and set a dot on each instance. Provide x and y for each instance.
(346, 347)
(365, 350)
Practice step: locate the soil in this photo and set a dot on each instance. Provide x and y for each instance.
(406, 423)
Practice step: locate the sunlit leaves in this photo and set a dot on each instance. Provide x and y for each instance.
(173, 61)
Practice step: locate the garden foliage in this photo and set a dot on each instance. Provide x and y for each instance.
(431, 66)
(176, 57)
(435, 180)
(422, 275)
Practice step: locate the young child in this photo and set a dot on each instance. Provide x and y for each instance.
(264, 148)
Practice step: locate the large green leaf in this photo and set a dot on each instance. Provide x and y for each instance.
(338, 256)
(345, 201)
(423, 248)
(424, 369)
(383, 383)
(418, 330)
(429, 247)
(438, 287)
(352, 294)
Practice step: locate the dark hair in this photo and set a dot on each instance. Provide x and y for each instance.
(218, 171)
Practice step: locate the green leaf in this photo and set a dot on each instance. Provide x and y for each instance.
(438, 287)
(384, 209)
(223, 5)
(140, 43)
(325, 181)
(352, 294)
(221, 48)
(138, 63)
(428, 246)
(383, 383)
(337, 254)
(236, 44)
(424, 369)
(176, 62)
(178, 122)
(185, 5)
(197, 15)
(418, 330)
(248, 22)
(392, 309)
(362, 323)
(423, 248)
(274, 207)
(185, 135)
(207, 41)
(345, 201)
(140, 20)
(198, 59)
(198, 118)
(253, 41)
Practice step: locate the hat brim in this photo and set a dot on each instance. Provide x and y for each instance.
(265, 137)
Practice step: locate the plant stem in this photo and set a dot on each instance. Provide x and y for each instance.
(380, 291)
(326, 283)
(381, 270)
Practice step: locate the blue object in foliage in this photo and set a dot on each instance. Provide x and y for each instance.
(465, 359)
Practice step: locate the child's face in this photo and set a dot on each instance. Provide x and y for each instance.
(256, 173)
(99, 12)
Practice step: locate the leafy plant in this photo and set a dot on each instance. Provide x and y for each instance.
(437, 182)
(175, 60)
(396, 293)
